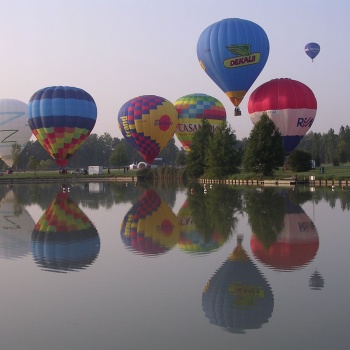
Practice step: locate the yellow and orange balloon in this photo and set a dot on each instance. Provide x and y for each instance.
(148, 123)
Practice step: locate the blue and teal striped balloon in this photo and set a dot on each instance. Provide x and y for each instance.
(61, 118)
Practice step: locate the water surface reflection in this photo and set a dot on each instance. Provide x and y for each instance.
(238, 296)
(267, 265)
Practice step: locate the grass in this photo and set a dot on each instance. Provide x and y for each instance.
(330, 173)
(53, 174)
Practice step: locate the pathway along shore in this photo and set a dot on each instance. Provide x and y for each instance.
(8, 179)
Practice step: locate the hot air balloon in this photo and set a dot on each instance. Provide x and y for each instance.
(14, 128)
(312, 50)
(61, 118)
(64, 239)
(238, 297)
(233, 52)
(296, 245)
(191, 110)
(150, 227)
(148, 123)
(289, 103)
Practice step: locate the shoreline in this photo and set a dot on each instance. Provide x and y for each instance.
(239, 182)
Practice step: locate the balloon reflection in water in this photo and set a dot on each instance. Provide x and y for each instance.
(193, 241)
(16, 226)
(316, 281)
(296, 245)
(238, 296)
(64, 239)
(150, 227)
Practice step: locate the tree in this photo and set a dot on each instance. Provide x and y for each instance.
(181, 158)
(222, 158)
(299, 161)
(342, 151)
(33, 163)
(119, 156)
(264, 152)
(16, 151)
(331, 140)
(195, 161)
(169, 152)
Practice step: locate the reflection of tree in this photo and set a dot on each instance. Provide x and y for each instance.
(215, 210)
(298, 197)
(344, 197)
(266, 213)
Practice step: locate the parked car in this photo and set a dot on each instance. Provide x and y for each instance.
(80, 172)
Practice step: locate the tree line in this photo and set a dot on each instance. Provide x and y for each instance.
(214, 155)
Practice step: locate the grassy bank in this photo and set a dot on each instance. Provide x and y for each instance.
(331, 172)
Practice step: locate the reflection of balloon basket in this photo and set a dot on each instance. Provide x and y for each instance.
(237, 112)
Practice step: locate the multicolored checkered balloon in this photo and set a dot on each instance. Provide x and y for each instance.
(61, 118)
(192, 109)
(148, 123)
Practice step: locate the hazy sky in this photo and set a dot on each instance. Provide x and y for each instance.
(120, 49)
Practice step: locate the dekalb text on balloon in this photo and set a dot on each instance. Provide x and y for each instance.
(242, 61)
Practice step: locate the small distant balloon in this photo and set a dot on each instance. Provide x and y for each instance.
(61, 118)
(192, 109)
(148, 123)
(312, 50)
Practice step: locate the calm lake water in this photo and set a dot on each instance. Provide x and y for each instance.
(116, 266)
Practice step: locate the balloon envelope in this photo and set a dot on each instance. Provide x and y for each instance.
(191, 110)
(14, 128)
(289, 103)
(233, 52)
(61, 118)
(148, 123)
(312, 50)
